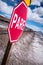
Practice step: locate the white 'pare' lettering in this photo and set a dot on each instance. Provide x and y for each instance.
(20, 22)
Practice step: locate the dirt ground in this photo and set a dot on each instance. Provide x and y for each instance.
(27, 51)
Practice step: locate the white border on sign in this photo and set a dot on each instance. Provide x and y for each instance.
(11, 22)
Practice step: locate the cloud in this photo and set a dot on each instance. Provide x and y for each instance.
(31, 15)
(33, 27)
(34, 15)
(5, 15)
(36, 2)
(13, 0)
(5, 8)
(39, 11)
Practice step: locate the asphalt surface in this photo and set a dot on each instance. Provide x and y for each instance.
(3, 24)
(28, 50)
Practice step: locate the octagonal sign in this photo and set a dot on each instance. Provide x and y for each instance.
(17, 22)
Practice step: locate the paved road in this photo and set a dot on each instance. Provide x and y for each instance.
(27, 51)
(3, 24)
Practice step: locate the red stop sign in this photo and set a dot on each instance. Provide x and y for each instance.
(17, 22)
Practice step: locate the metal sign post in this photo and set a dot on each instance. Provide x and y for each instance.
(6, 53)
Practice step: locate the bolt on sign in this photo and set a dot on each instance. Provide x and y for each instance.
(17, 22)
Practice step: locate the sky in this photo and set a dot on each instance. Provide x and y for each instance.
(34, 13)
